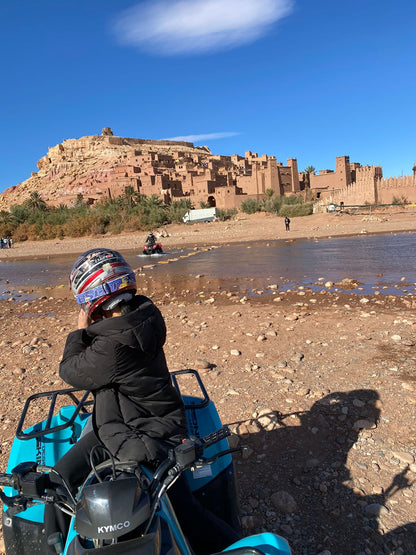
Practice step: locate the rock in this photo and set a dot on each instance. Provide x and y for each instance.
(404, 457)
(375, 509)
(235, 352)
(251, 521)
(268, 419)
(284, 502)
(202, 364)
(364, 425)
(286, 529)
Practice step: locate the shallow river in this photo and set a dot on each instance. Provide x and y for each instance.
(383, 262)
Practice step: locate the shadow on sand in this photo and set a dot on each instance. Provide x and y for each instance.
(309, 460)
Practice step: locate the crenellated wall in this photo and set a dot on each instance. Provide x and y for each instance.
(401, 188)
(371, 188)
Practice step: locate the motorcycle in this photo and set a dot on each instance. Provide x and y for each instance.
(156, 248)
(122, 507)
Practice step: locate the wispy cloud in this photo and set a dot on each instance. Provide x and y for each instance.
(172, 27)
(202, 137)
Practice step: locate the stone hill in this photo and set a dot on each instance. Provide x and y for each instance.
(96, 166)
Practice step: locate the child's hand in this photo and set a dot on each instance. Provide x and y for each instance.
(83, 320)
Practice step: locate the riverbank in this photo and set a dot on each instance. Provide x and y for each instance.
(242, 228)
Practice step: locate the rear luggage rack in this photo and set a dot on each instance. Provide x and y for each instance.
(191, 402)
(80, 406)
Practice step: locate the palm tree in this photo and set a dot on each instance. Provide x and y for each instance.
(308, 170)
(131, 196)
(36, 202)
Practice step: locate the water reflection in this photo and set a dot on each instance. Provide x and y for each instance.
(379, 261)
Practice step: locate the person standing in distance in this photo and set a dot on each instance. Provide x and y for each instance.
(287, 223)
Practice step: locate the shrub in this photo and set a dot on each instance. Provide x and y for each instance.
(153, 216)
(250, 206)
(292, 199)
(76, 227)
(133, 223)
(48, 231)
(293, 210)
(177, 210)
(399, 200)
(25, 232)
(226, 214)
(21, 232)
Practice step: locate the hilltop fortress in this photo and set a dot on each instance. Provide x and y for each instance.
(103, 166)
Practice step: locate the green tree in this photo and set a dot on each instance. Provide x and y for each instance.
(36, 202)
(310, 169)
(131, 196)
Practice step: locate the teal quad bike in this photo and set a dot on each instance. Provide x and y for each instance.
(121, 508)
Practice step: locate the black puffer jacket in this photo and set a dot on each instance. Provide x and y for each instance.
(138, 414)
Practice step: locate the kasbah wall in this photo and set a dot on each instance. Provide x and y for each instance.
(353, 184)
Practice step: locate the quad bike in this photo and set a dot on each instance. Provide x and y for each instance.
(122, 507)
(156, 248)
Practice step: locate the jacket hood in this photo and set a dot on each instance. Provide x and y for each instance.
(142, 328)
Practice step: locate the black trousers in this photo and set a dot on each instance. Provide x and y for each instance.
(205, 532)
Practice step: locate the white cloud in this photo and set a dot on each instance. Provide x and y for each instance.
(172, 27)
(202, 137)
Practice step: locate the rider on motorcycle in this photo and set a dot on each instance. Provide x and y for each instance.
(151, 239)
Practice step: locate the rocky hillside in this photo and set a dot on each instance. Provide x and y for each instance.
(93, 166)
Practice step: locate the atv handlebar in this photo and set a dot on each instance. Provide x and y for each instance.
(33, 485)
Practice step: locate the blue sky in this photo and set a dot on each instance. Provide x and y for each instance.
(290, 78)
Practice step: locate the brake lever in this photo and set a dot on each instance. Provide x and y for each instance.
(203, 462)
(15, 503)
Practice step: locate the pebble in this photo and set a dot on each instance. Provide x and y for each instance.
(202, 364)
(404, 457)
(235, 352)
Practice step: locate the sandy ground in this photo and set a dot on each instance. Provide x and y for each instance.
(320, 387)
